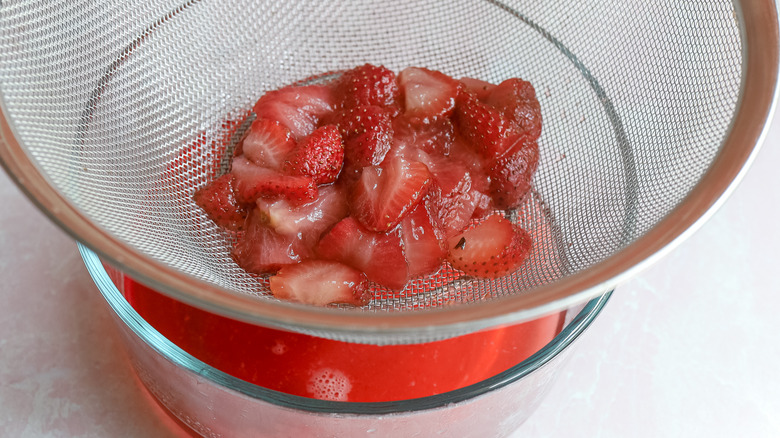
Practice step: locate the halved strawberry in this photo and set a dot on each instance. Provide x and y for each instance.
(424, 241)
(368, 85)
(319, 155)
(384, 195)
(516, 99)
(219, 202)
(368, 133)
(252, 182)
(298, 108)
(379, 255)
(261, 250)
(267, 143)
(428, 95)
(490, 249)
(307, 221)
(484, 127)
(321, 283)
(478, 87)
(510, 176)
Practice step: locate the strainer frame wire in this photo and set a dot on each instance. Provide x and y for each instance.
(759, 27)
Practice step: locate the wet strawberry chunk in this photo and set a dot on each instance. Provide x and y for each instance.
(384, 195)
(510, 176)
(219, 202)
(267, 143)
(490, 249)
(320, 155)
(516, 100)
(321, 283)
(484, 127)
(369, 85)
(252, 182)
(298, 108)
(379, 255)
(427, 95)
(368, 133)
(262, 250)
(424, 241)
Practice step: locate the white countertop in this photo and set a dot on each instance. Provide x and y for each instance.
(688, 348)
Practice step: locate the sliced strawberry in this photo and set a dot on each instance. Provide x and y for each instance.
(424, 241)
(368, 133)
(379, 255)
(428, 95)
(490, 249)
(298, 108)
(433, 138)
(219, 202)
(369, 85)
(481, 89)
(510, 176)
(261, 250)
(320, 155)
(462, 152)
(252, 182)
(267, 143)
(484, 127)
(307, 221)
(516, 99)
(384, 195)
(321, 283)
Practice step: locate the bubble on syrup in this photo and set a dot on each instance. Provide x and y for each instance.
(329, 384)
(279, 348)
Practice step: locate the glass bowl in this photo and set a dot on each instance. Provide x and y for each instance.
(211, 402)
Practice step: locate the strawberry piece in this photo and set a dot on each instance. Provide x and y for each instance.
(379, 255)
(451, 196)
(490, 249)
(319, 155)
(369, 85)
(219, 202)
(384, 195)
(516, 99)
(433, 138)
(483, 204)
(252, 182)
(267, 143)
(428, 95)
(307, 221)
(298, 108)
(481, 89)
(261, 250)
(510, 176)
(320, 283)
(424, 241)
(461, 151)
(368, 133)
(484, 127)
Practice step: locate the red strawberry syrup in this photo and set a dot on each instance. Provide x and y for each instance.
(313, 367)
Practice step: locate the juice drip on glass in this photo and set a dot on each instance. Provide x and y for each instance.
(320, 368)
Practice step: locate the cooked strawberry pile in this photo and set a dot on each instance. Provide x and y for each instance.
(379, 178)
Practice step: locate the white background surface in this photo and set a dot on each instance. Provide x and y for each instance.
(689, 348)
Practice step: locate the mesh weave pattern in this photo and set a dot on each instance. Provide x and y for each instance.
(129, 107)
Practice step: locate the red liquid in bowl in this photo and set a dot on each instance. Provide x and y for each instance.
(313, 367)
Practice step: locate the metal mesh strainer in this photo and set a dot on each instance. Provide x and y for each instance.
(115, 112)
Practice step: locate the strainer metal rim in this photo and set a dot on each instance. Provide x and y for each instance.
(755, 107)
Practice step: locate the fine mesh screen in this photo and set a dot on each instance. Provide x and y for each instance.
(129, 107)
